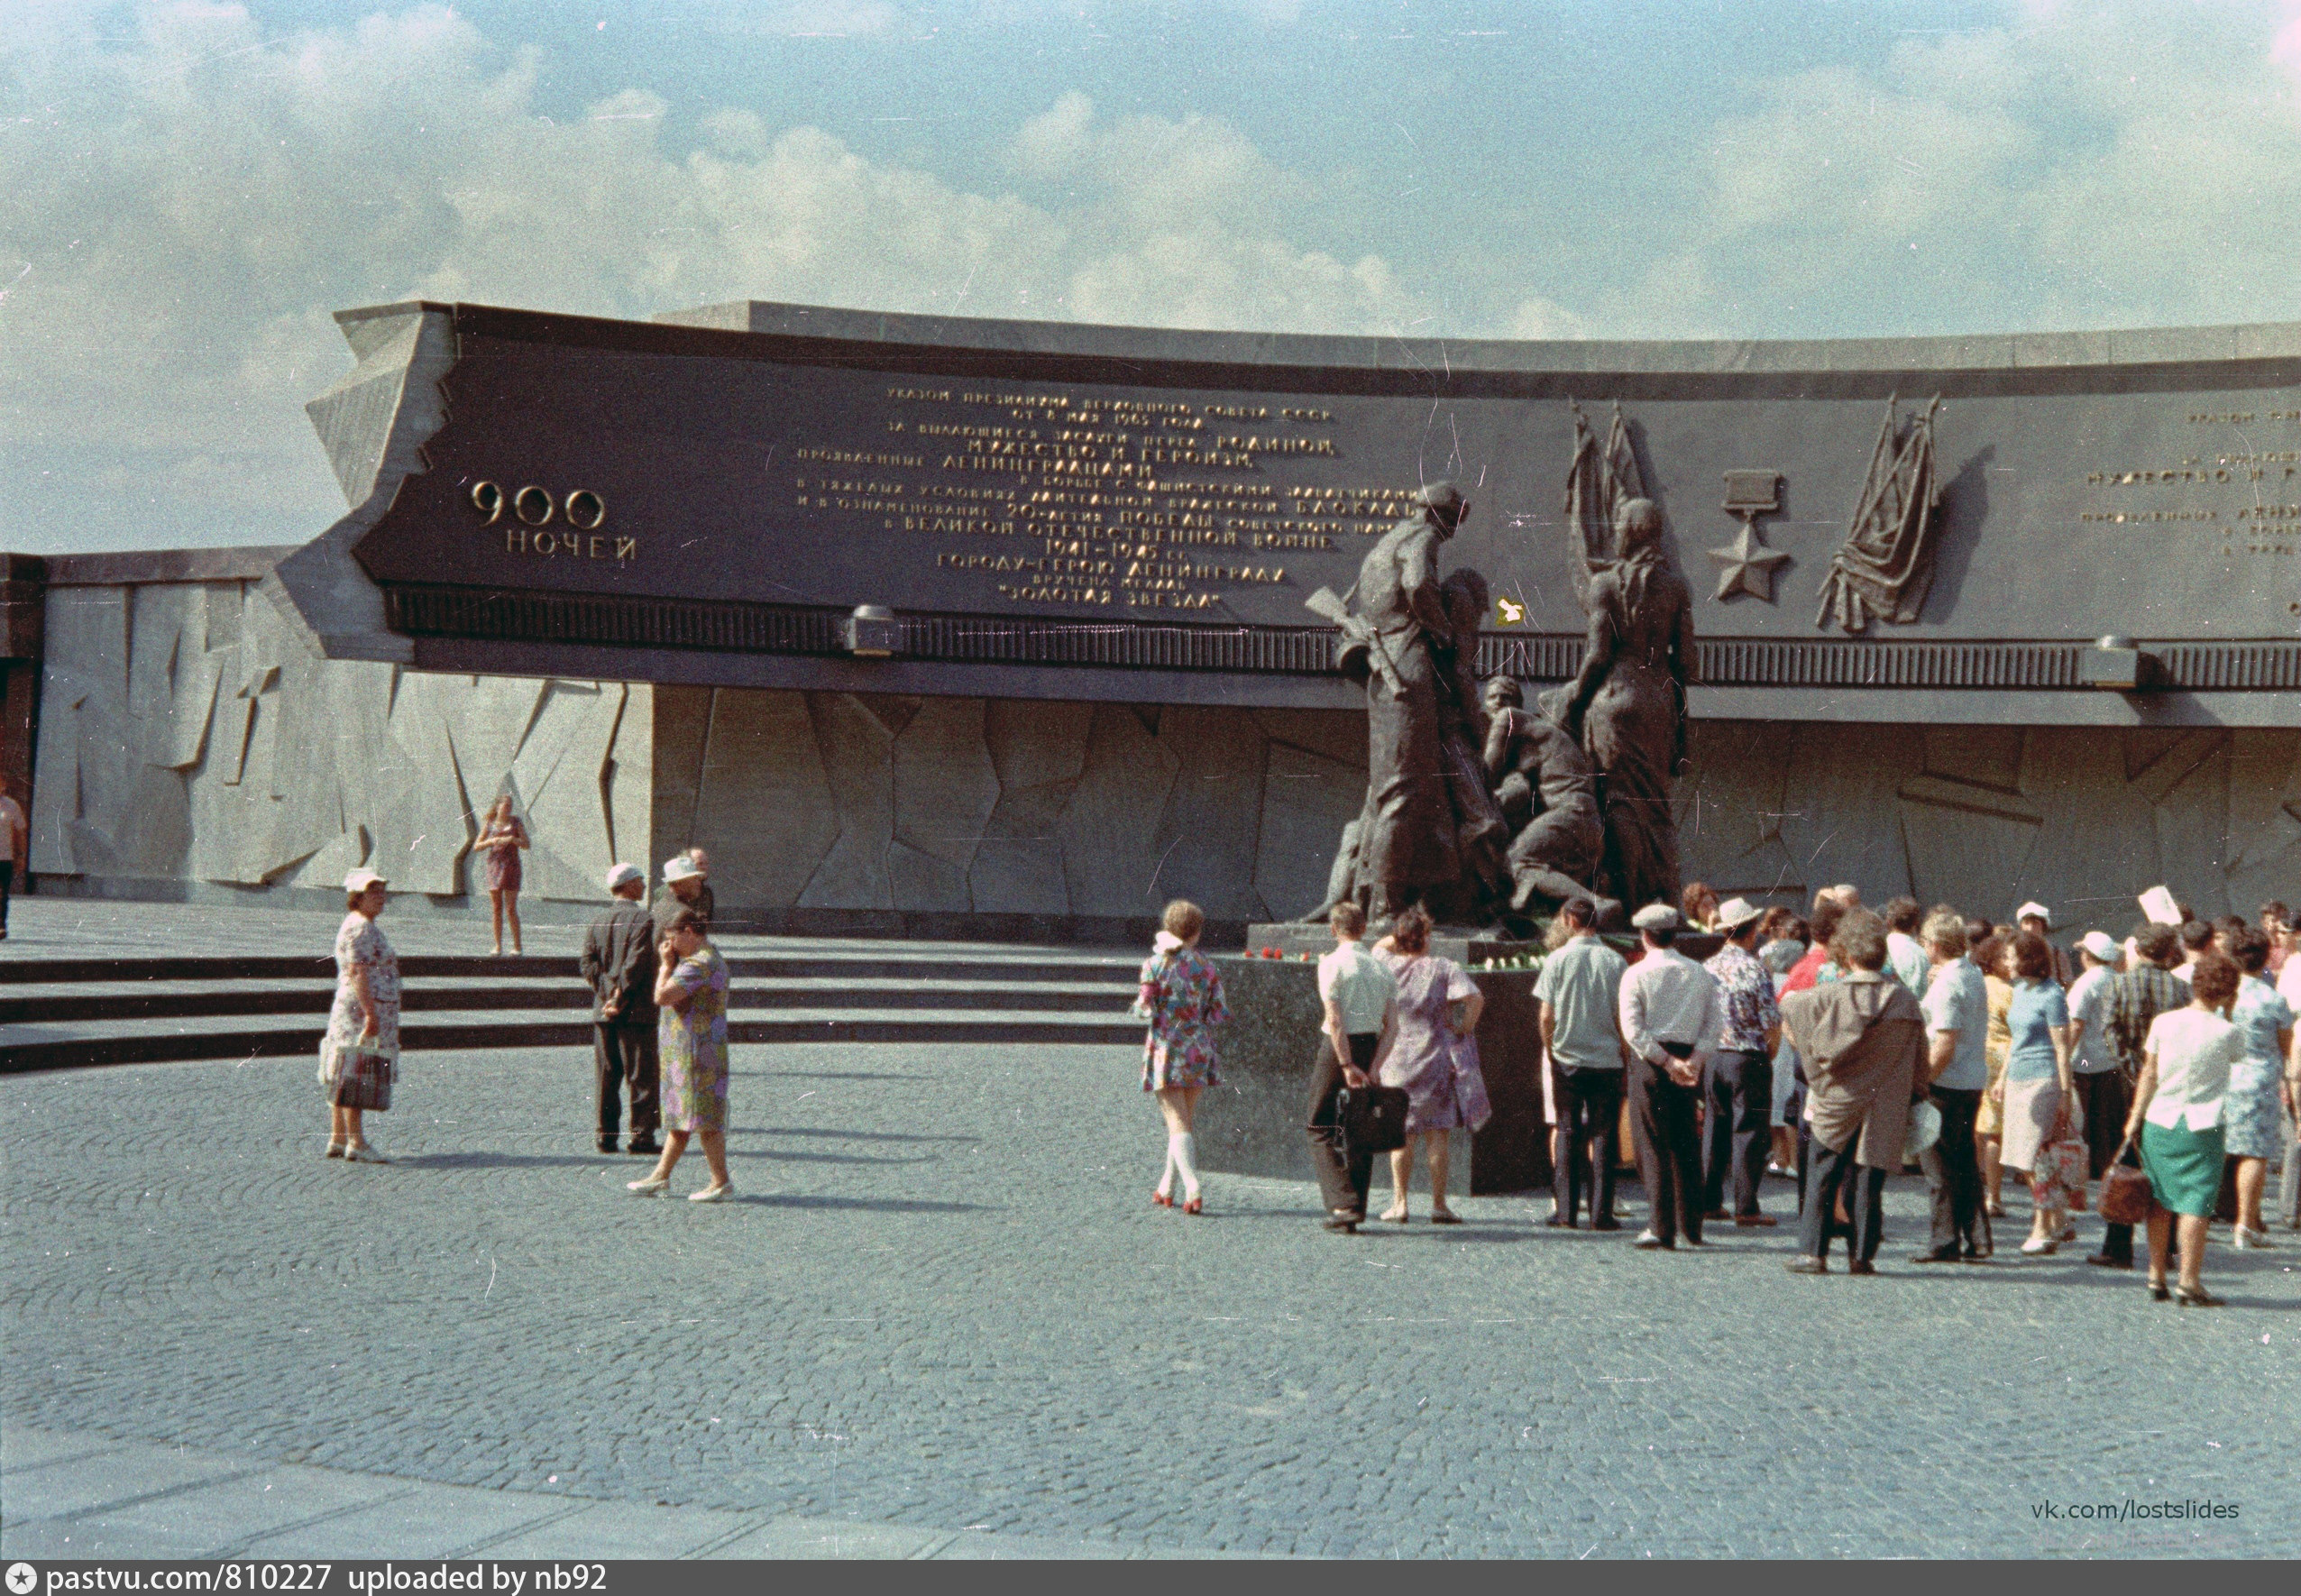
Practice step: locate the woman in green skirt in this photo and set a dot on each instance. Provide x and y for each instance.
(2176, 1110)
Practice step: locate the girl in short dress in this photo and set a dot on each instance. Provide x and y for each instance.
(1182, 997)
(500, 839)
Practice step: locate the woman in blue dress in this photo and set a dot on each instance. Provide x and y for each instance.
(2254, 1114)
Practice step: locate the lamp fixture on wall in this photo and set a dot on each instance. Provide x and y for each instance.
(872, 632)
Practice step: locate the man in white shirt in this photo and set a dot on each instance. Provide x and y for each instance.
(2101, 1090)
(1672, 1019)
(1359, 999)
(16, 848)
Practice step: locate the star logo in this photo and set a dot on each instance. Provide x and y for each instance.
(1747, 565)
(1508, 612)
(21, 1578)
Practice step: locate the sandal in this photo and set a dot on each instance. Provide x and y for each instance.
(335, 1148)
(1444, 1216)
(1193, 1205)
(2200, 1298)
(1394, 1215)
(1162, 1199)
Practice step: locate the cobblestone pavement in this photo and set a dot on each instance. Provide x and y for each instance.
(945, 1303)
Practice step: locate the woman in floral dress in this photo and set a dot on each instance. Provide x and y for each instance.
(1182, 997)
(501, 839)
(2253, 1113)
(691, 1045)
(359, 1059)
(1434, 1058)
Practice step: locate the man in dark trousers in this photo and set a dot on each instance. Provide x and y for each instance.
(2136, 998)
(1864, 1040)
(1957, 1072)
(1671, 1018)
(1579, 991)
(620, 962)
(1739, 1084)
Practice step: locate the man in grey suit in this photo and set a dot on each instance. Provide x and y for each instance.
(620, 962)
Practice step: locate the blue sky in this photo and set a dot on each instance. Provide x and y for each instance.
(187, 191)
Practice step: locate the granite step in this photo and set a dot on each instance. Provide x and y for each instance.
(120, 1000)
(60, 1046)
(1025, 965)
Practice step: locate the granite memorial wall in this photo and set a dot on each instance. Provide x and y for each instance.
(613, 566)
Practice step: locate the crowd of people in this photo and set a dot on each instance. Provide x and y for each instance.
(1831, 1046)
(1835, 1047)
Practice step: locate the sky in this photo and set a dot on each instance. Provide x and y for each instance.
(189, 190)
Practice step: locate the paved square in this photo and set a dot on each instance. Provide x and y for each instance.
(946, 1314)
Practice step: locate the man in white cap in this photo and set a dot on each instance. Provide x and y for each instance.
(2092, 1064)
(618, 961)
(1671, 1018)
(2034, 916)
(682, 888)
(1739, 1085)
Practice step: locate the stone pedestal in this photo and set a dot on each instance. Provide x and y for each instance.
(1463, 946)
(1252, 1124)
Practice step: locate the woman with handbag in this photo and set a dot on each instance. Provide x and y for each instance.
(1433, 1058)
(1180, 995)
(2038, 1089)
(359, 1058)
(2178, 1115)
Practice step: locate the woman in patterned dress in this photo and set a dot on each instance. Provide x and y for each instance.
(690, 1046)
(359, 1059)
(1433, 1056)
(500, 839)
(2253, 1113)
(1182, 997)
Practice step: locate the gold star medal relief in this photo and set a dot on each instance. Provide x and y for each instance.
(1508, 612)
(1747, 565)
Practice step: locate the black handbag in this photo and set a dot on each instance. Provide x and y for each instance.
(1373, 1118)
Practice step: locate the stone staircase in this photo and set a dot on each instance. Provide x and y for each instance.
(69, 1013)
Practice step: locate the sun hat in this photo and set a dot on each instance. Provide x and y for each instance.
(2034, 910)
(680, 868)
(361, 879)
(1736, 913)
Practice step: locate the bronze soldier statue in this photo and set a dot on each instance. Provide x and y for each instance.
(1549, 796)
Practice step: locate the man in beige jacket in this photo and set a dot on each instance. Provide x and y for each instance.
(1862, 1038)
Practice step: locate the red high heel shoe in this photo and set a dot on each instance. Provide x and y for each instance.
(1162, 1199)
(1194, 1205)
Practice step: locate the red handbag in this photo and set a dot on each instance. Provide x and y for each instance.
(2126, 1196)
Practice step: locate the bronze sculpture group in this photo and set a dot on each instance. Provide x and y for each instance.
(1487, 813)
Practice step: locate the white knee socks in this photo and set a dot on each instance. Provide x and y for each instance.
(1182, 1153)
(1167, 1174)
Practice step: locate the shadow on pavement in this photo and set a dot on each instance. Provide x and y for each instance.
(865, 1204)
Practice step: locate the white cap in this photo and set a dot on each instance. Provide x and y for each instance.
(1656, 917)
(623, 875)
(2098, 944)
(2034, 910)
(1736, 913)
(361, 879)
(680, 868)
